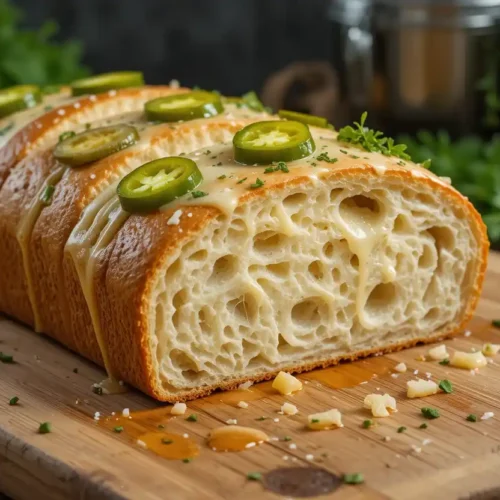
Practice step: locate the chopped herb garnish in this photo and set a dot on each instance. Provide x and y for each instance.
(207, 152)
(223, 176)
(97, 389)
(213, 157)
(48, 108)
(45, 428)
(241, 181)
(287, 438)
(401, 163)
(401, 429)
(444, 362)
(257, 184)
(13, 401)
(75, 370)
(371, 140)
(315, 421)
(324, 157)
(88, 126)
(219, 165)
(354, 157)
(356, 478)
(192, 418)
(254, 476)
(187, 460)
(430, 413)
(269, 170)
(445, 385)
(343, 151)
(471, 418)
(423, 426)
(199, 194)
(280, 166)
(314, 164)
(46, 196)
(426, 163)
(167, 441)
(6, 358)
(161, 426)
(496, 323)
(367, 423)
(51, 89)
(66, 135)
(118, 429)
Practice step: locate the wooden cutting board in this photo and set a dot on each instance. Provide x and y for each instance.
(85, 458)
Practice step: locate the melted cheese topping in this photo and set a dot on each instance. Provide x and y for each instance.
(226, 182)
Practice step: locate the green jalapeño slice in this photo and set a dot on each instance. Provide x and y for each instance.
(315, 121)
(157, 183)
(17, 98)
(107, 81)
(263, 143)
(188, 106)
(95, 144)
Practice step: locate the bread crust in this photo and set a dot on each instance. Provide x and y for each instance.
(129, 269)
(23, 182)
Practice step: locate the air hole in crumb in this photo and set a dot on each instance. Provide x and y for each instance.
(224, 268)
(354, 261)
(199, 255)
(205, 320)
(344, 289)
(307, 314)
(381, 297)
(402, 224)
(443, 237)
(316, 269)
(173, 270)
(334, 193)
(296, 200)
(243, 308)
(432, 314)
(336, 274)
(269, 241)
(281, 269)
(328, 249)
(427, 258)
(181, 361)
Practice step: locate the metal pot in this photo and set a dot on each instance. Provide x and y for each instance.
(420, 63)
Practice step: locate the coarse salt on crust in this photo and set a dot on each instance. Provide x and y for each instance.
(175, 219)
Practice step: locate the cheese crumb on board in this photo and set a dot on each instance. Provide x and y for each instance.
(285, 383)
(438, 353)
(401, 367)
(245, 386)
(289, 409)
(178, 409)
(468, 360)
(242, 404)
(490, 349)
(231, 421)
(142, 444)
(380, 404)
(488, 415)
(324, 420)
(421, 388)
(126, 412)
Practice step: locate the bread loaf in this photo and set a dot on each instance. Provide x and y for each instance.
(271, 270)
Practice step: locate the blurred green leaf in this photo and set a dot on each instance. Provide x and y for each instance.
(473, 166)
(32, 56)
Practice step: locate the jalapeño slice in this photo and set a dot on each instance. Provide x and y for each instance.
(18, 98)
(315, 121)
(157, 183)
(107, 81)
(95, 144)
(263, 143)
(188, 106)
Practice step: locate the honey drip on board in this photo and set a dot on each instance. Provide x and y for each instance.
(146, 429)
(235, 438)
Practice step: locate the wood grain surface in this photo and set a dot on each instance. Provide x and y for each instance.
(85, 458)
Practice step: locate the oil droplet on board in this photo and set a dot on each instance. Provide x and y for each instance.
(235, 438)
(254, 392)
(169, 445)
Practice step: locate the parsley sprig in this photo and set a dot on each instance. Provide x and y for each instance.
(371, 140)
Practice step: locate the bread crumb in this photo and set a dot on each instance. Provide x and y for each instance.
(185, 435)
(251, 445)
(416, 448)
(394, 375)
(231, 421)
(401, 367)
(309, 457)
(387, 438)
(142, 444)
(178, 409)
(292, 446)
(467, 333)
(289, 409)
(97, 415)
(276, 420)
(285, 383)
(245, 386)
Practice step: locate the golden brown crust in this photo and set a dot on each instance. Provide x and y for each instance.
(128, 270)
(23, 182)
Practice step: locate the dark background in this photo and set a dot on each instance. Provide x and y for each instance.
(229, 45)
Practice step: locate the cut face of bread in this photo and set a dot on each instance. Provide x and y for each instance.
(303, 272)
